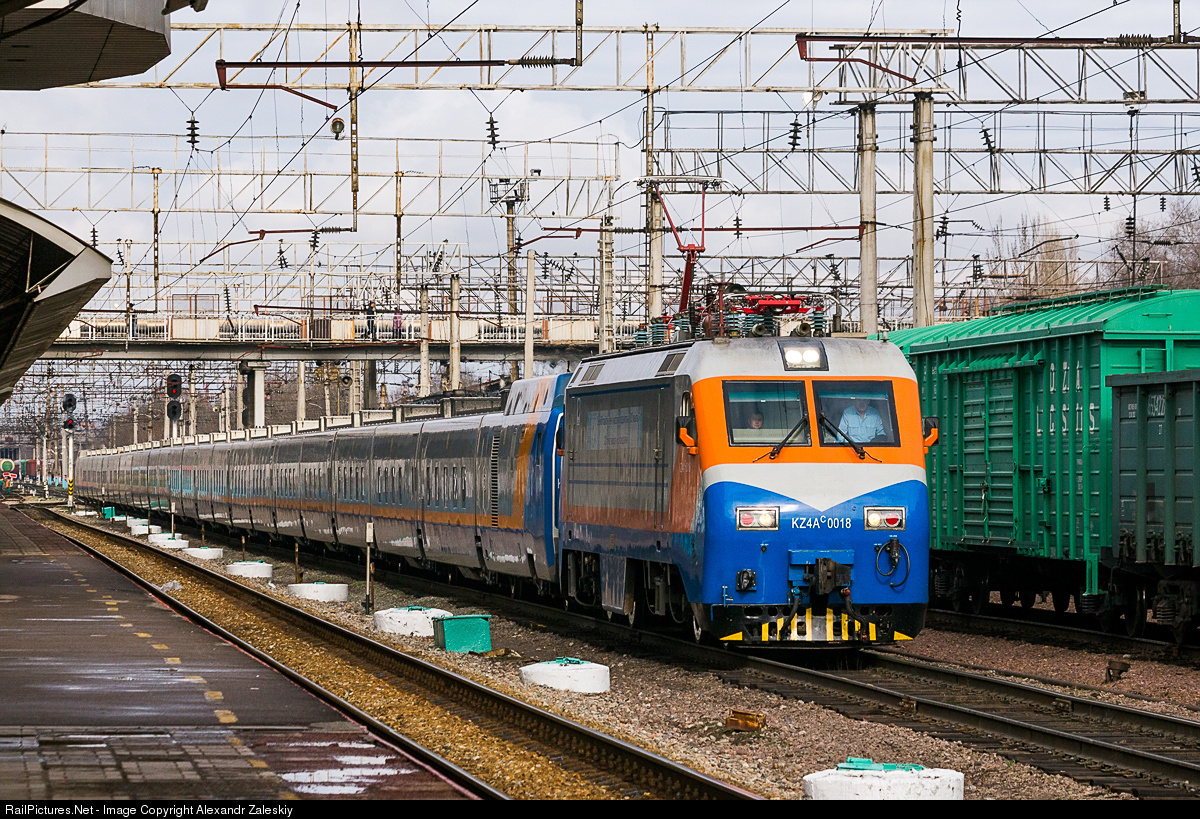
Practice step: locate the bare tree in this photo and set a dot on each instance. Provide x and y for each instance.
(1034, 261)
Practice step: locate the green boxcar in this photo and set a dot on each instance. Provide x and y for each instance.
(1156, 427)
(1021, 480)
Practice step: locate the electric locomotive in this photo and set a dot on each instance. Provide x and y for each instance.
(723, 483)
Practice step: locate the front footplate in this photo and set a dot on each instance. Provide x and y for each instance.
(829, 626)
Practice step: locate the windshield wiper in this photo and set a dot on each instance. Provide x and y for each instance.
(862, 453)
(775, 450)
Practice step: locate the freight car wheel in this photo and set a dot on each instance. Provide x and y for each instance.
(1062, 599)
(1135, 612)
(1028, 598)
(1008, 596)
(980, 595)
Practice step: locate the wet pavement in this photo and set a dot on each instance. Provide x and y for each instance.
(105, 693)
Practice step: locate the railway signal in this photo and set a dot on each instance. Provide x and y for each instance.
(174, 385)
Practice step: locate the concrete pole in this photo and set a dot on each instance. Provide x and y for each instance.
(923, 240)
(370, 383)
(654, 212)
(868, 264)
(135, 424)
(192, 428)
(607, 335)
(424, 378)
(325, 381)
(166, 420)
(301, 393)
(237, 397)
(513, 372)
(256, 379)
(455, 339)
(530, 295)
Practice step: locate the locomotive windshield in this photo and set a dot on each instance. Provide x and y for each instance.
(862, 412)
(762, 413)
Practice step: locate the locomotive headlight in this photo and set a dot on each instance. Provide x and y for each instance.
(803, 355)
(757, 517)
(884, 517)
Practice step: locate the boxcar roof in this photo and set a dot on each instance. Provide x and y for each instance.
(1136, 311)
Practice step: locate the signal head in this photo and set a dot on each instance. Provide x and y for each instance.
(174, 385)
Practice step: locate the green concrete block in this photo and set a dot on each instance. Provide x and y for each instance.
(463, 633)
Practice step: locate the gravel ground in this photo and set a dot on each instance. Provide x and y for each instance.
(681, 714)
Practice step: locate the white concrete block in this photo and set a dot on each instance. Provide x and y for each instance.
(929, 783)
(250, 568)
(325, 592)
(413, 621)
(173, 543)
(568, 674)
(131, 521)
(205, 552)
(157, 538)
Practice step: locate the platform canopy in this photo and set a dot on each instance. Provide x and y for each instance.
(46, 277)
(53, 44)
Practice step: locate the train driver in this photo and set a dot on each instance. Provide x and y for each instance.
(861, 422)
(756, 420)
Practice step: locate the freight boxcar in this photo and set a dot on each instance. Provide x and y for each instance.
(1156, 419)
(1021, 486)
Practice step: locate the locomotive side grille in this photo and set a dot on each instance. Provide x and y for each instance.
(494, 484)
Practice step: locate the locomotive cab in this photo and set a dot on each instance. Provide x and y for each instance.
(814, 492)
(764, 490)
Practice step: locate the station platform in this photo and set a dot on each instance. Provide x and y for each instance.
(109, 694)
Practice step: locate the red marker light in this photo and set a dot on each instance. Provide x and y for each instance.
(892, 519)
(747, 519)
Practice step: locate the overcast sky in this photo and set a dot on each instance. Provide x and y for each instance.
(273, 117)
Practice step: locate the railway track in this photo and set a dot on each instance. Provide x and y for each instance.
(613, 767)
(1123, 749)
(1066, 629)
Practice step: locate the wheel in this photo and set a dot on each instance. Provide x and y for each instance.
(1028, 598)
(1135, 612)
(1008, 596)
(1062, 599)
(980, 595)
(695, 630)
(636, 615)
